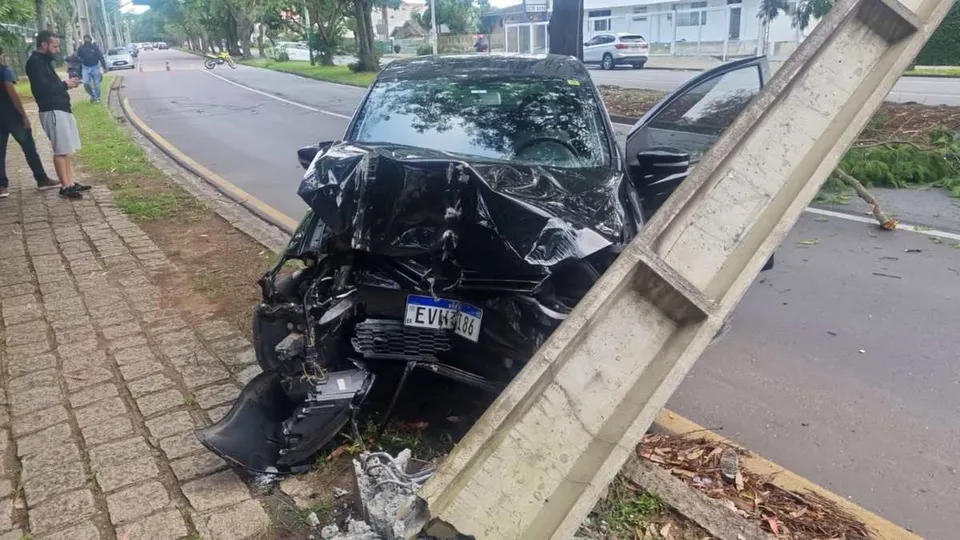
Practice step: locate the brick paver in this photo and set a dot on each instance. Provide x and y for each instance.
(96, 431)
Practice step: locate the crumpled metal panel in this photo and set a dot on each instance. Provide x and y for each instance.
(407, 202)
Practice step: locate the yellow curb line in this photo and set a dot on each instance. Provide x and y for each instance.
(883, 529)
(669, 421)
(222, 185)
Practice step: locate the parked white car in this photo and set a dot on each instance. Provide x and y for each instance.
(295, 50)
(119, 58)
(612, 50)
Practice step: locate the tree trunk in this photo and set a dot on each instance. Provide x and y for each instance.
(366, 48)
(41, 8)
(260, 41)
(566, 28)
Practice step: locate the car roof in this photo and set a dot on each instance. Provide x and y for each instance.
(487, 66)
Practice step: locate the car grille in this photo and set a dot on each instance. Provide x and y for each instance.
(391, 340)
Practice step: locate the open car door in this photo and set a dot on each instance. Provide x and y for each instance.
(678, 130)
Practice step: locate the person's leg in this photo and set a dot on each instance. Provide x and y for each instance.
(24, 138)
(86, 75)
(4, 182)
(97, 77)
(64, 170)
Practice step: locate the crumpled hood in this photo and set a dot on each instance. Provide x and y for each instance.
(405, 202)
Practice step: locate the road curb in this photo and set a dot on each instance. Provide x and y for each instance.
(233, 192)
(884, 529)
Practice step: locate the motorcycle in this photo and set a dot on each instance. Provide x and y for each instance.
(213, 61)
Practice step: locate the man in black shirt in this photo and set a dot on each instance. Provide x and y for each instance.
(92, 59)
(56, 116)
(14, 121)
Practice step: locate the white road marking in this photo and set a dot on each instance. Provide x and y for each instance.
(903, 226)
(830, 213)
(278, 98)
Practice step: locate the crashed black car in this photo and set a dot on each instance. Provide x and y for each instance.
(471, 204)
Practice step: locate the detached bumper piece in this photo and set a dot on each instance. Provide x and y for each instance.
(267, 431)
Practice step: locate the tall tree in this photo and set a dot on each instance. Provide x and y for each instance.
(459, 16)
(566, 28)
(802, 14)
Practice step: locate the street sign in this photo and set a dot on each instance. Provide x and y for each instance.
(535, 6)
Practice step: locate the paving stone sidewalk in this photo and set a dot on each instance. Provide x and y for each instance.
(103, 383)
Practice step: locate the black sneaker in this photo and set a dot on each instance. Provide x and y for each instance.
(82, 187)
(47, 183)
(71, 192)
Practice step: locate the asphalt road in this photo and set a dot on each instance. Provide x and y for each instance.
(926, 90)
(842, 361)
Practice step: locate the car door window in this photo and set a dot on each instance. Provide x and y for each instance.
(694, 120)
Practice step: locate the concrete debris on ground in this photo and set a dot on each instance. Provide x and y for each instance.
(386, 488)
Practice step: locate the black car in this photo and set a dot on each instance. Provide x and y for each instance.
(472, 203)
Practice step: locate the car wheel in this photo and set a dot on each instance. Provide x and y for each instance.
(638, 66)
(607, 62)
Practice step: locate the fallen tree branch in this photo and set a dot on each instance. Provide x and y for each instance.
(891, 144)
(886, 222)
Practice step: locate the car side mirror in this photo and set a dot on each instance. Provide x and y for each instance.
(307, 153)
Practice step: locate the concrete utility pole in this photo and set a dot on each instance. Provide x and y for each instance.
(534, 465)
(107, 31)
(434, 31)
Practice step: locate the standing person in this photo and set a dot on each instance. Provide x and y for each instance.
(56, 116)
(14, 121)
(92, 59)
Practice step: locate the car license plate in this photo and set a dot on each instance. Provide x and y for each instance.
(443, 314)
(468, 322)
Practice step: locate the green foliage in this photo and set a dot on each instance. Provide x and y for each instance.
(625, 508)
(943, 48)
(460, 16)
(337, 74)
(802, 13)
(425, 49)
(901, 165)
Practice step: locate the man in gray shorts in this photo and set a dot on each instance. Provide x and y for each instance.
(56, 116)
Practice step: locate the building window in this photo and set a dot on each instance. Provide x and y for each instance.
(695, 18)
(639, 13)
(599, 20)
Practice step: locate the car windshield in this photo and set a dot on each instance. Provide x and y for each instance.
(112, 52)
(632, 39)
(536, 121)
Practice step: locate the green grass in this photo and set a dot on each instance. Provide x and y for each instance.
(146, 206)
(625, 508)
(337, 74)
(927, 72)
(23, 88)
(106, 147)
(112, 157)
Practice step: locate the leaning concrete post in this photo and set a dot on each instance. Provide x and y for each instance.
(534, 465)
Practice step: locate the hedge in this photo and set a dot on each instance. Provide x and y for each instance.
(943, 49)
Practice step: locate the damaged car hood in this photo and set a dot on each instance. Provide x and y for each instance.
(405, 202)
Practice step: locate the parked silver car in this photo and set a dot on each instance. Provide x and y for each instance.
(611, 50)
(119, 58)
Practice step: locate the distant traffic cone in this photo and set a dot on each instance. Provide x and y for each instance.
(168, 66)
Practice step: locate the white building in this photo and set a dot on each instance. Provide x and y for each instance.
(725, 28)
(717, 28)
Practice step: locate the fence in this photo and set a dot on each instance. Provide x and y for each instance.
(17, 43)
(723, 32)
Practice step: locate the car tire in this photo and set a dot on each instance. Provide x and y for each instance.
(607, 62)
(638, 66)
